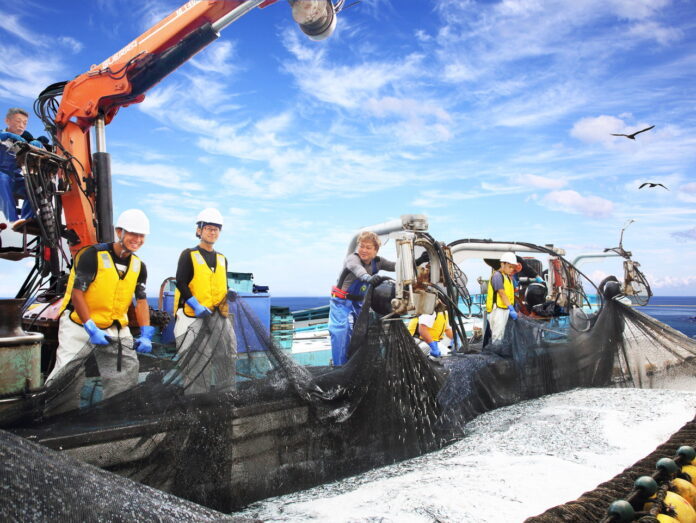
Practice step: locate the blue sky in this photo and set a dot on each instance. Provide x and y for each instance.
(493, 118)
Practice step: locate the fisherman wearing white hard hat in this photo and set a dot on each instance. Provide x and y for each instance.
(500, 297)
(201, 282)
(103, 280)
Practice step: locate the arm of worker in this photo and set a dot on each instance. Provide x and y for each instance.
(85, 272)
(142, 314)
(142, 310)
(77, 298)
(424, 332)
(386, 265)
(354, 265)
(6, 135)
(97, 336)
(184, 275)
(510, 306)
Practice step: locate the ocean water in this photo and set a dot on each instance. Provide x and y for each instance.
(299, 303)
(679, 312)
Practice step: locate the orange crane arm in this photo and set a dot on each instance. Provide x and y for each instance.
(94, 98)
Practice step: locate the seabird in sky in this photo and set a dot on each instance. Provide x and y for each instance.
(651, 185)
(633, 136)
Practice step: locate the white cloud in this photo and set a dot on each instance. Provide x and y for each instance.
(439, 198)
(671, 281)
(75, 46)
(422, 36)
(597, 129)
(650, 30)
(25, 74)
(157, 174)
(349, 86)
(573, 202)
(12, 25)
(217, 59)
(687, 235)
(540, 182)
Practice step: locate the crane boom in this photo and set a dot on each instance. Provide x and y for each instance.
(94, 98)
(74, 184)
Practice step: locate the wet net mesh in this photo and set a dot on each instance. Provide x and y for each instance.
(617, 346)
(230, 418)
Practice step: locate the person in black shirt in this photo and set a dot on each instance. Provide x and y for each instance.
(201, 281)
(103, 281)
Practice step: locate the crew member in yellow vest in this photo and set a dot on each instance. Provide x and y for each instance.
(201, 283)
(102, 283)
(500, 297)
(430, 329)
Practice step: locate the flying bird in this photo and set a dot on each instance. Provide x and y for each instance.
(633, 136)
(651, 185)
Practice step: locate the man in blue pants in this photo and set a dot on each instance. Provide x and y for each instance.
(11, 179)
(359, 270)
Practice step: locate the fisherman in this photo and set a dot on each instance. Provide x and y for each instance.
(360, 269)
(201, 281)
(429, 329)
(11, 179)
(103, 280)
(500, 297)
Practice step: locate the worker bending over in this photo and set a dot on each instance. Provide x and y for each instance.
(360, 269)
(429, 329)
(103, 281)
(500, 297)
(201, 281)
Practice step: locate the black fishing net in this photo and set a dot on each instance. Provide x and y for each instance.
(617, 345)
(233, 419)
(39, 484)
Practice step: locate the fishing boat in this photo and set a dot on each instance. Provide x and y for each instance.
(234, 418)
(286, 426)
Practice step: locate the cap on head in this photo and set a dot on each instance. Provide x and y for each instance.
(133, 220)
(509, 257)
(209, 216)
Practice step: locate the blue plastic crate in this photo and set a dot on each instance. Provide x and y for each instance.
(240, 281)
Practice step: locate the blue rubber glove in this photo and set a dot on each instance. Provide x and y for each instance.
(144, 342)
(5, 135)
(198, 309)
(513, 312)
(36, 144)
(96, 335)
(539, 279)
(434, 349)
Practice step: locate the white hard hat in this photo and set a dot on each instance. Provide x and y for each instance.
(133, 220)
(509, 257)
(211, 216)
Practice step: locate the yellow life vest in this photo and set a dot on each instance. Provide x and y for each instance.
(109, 295)
(509, 291)
(436, 331)
(208, 286)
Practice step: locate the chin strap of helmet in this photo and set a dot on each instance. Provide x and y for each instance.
(124, 251)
